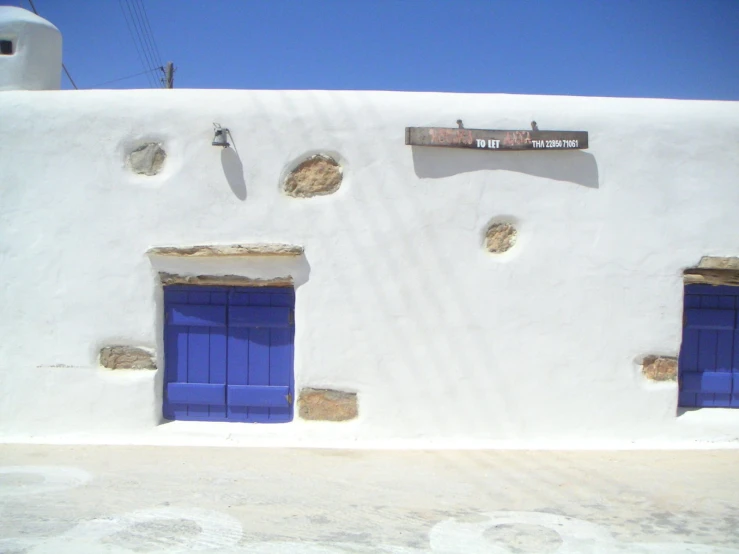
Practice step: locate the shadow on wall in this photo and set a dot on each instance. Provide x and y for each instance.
(572, 166)
(233, 169)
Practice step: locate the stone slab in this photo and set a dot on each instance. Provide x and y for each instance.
(327, 405)
(660, 368)
(127, 357)
(223, 280)
(713, 270)
(227, 250)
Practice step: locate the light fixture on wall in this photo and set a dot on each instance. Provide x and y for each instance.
(221, 136)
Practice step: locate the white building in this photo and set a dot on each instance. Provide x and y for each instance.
(424, 336)
(30, 51)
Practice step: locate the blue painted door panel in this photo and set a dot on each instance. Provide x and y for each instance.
(258, 361)
(709, 355)
(258, 316)
(197, 316)
(710, 319)
(238, 357)
(196, 393)
(229, 354)
(707, 381)
(258, 396)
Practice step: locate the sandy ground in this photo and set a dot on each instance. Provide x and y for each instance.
(76, 499)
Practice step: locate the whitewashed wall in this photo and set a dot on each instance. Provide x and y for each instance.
(446, 344)
(36, 61)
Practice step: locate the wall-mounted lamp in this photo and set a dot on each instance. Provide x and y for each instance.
(221, 136)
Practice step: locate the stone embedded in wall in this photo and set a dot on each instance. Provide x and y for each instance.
(223, 280)
(227, 250)
(147, 159)
(327, 405)
(127, 357)
(659, 368)
(717, 262)
(500, 237)
(714, 270)
(318, 175)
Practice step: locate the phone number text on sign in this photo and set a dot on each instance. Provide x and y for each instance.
(564, 143)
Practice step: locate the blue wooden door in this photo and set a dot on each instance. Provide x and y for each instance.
(709, 355)
(228, 353)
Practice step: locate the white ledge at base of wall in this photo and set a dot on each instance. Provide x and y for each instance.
(227, 250)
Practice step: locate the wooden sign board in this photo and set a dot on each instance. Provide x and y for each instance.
(481, 139)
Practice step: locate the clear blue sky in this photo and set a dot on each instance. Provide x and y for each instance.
(653, 48)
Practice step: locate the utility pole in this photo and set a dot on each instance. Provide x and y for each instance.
(169, 75)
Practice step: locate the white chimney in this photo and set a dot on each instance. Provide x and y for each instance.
(30, 51)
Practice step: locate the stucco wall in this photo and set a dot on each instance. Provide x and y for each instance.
(36, 61)
(397, 299)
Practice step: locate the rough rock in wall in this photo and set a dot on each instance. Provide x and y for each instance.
(714, 270)
(231, 250)
(223, 280)
(327, 405)
(126, 357)
(500, 237)
(717, 262)
(660, 368)
(316, 176)
(147, 159)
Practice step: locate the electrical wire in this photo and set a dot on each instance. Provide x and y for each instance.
(148, 24)
(146, 31)
(127, 77)
(148, 49)
(138, 44)
(64, 67)
(141, 32)
(148, 44)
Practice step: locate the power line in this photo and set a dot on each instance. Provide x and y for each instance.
(127, 77)
(148, 52)
(64, 67)
(141, 31)
(146, 18)
(149, 62)
(136, 45)
(149, 45)
(146, 31)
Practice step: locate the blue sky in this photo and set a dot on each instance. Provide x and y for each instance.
(646, 48)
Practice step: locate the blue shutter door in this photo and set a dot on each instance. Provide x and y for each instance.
(229, 354)
(709, 355)
(281, 357)
(239, 345)
(195, 363)
(260, 384)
